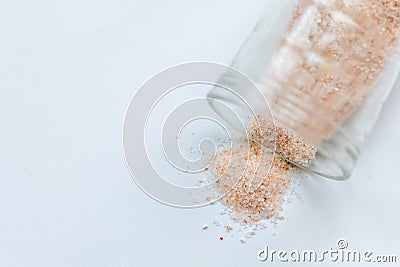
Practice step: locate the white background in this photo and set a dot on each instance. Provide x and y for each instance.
(68, 70)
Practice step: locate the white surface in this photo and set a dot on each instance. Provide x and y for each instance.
(68, 70)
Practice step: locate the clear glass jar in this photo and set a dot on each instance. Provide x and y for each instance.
(326, 68)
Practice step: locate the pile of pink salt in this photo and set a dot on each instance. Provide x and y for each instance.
(246, 200)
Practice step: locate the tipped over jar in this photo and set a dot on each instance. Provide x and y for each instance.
(326, 68)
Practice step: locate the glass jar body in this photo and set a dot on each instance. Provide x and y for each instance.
(326, 68)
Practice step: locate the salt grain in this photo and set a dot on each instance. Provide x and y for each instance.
(228, 227)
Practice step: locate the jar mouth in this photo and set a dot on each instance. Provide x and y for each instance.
(336, 153)
(335, 156)
(328, 164)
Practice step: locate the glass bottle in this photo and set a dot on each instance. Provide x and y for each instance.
(326, 68)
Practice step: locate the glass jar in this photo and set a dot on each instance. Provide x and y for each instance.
(326, 68)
